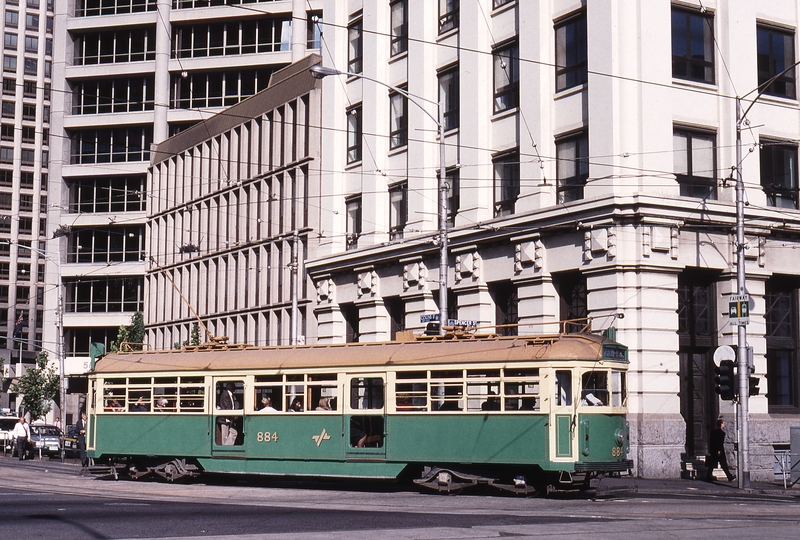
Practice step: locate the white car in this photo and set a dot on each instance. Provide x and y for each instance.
(7, 424)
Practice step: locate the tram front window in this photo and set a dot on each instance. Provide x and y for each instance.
(594, 388)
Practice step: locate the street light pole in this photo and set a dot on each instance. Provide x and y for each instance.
(318, 71)
(60, 351)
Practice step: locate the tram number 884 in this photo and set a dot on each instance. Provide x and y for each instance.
(266, 436)
(616, 451)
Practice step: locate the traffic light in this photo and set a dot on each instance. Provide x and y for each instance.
(754, 385)
(725, 379)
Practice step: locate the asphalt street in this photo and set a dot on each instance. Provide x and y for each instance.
(41, 499)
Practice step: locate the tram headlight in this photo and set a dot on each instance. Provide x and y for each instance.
(619, 436)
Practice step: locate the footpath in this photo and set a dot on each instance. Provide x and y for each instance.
(625, 485)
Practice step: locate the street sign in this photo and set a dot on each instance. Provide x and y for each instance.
(739, 309)
(430, 317)
(462, 322)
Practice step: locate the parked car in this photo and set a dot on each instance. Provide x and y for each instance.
(70, 442)
(7, 424)
(45, 439)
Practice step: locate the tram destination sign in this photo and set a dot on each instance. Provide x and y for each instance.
(739, 309)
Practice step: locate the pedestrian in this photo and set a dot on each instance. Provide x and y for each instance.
(716, 453)
(80, 429)
(22, 434)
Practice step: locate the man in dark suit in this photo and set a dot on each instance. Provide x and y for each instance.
(716, 453)
(80, 430)
(227, 402)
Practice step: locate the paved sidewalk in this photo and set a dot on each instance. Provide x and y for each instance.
(609, 487)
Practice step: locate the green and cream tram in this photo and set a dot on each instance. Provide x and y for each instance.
(518, 413)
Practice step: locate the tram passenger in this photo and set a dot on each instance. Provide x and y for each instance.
(591, 399)
(161, 405)
(366, 431)
(324, 404)
(140, 405)
(297, 405)
(266, 405)
(227, 401)
(492, 403)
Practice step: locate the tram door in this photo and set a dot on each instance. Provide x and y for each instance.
(365, 418)
(227, 433)
(562, 417)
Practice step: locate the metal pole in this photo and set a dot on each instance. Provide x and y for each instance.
(741, 353)
(294, 265)
(443, 242)
(61, 350)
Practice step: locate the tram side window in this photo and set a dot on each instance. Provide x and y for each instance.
(295, 394)
(619, 390)
(594, 388)
(564, 388)
(192, 394)
(139, 400)
(165, 398)
(322, 392)
(411, 391)
(268, 393)
(447, 391)
(366, 393)
(114, 395)
(522, 390)
(483, 390)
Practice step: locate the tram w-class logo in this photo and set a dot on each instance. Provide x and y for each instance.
(321, 437)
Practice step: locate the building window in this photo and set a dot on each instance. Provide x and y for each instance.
(398, 210)
(500, 3)
(10, 64)
(107, 145)
(506, 301)
(9, 87)
(448, 15)
(92, 8)
(572, 170)
(114, 95)
(232, 38)
(110, 295)
(353, 226)
(7, 132)
(32, 22)
(694, 162)
(350, 316)
(506, 78)
(398, 120)
(31, 66)
(215, 89)
(31, 44)
(114, 244)
(781, 300)
(399, 27)
(692, 45)
(573, 300)
(355, 49)
(448, 95)
(314, 30)
(506, 183)
(395, 307)
(779, 174)
(453, 195)
(114, 47)
(354, 134)
(107, 194)
(10, 42)
(12, 19)
(776, 54)
(571, 62)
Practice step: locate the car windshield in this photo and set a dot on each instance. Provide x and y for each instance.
(7, 424)
(46, 430)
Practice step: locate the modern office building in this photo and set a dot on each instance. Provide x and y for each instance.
(237, 219)
(128, 74)
(590, 156)
(24, 169)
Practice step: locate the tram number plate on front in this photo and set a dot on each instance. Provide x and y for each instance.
(266, 436)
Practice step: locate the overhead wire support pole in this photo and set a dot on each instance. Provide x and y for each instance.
(318, 71)
(743, 363)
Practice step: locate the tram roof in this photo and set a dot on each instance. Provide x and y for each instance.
(355, 355)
